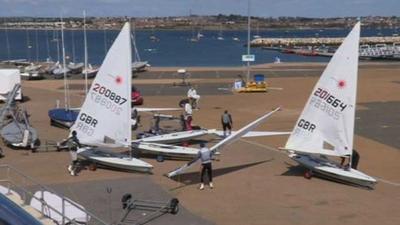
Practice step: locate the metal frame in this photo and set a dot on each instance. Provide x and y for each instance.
(157, 209)
(9, 171)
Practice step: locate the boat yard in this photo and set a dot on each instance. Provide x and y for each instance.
(255, 183)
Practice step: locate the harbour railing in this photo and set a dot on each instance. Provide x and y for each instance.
(15, 181)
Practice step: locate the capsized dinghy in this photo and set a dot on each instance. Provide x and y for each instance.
(229, 140)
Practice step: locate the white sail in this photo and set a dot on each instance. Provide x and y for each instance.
(104, 118)
(326, 125)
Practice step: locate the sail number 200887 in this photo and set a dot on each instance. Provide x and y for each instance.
(102, 90)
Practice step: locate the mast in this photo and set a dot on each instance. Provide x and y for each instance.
(73, 45)
(133, 39)
(258, 29)
(86, 53)
(58, 44)
(7, 43)
(129, 136)
(48, 45)
(66, 99)
(248, 40)
(28, 45)
(37, 45)
(105, 41)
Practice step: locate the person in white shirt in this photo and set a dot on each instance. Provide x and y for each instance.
(193, 97)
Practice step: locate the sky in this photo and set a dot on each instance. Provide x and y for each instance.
(152, 8)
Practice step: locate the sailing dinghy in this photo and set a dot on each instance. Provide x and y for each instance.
(173, 151)
(63, 117)
(326, 125)
(229, 140)
(104, 119)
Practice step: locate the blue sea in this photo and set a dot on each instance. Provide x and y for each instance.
(172, 49)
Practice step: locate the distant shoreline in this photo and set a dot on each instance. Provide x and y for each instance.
(190, 29)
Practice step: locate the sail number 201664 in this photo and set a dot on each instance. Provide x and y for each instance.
(102, 90)
(330, 99)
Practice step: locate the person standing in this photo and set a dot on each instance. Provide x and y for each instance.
(193, 97)
(205, 155)
(355, 157)
(188, 116)
(73, 145)
(226, 120)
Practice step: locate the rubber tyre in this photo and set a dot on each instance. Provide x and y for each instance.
(160, 158)
(308, 174)
(174, 206)
(125, 199)
(93, 167)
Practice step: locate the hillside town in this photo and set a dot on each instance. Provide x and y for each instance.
(225, 22)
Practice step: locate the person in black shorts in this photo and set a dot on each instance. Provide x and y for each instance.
(205, 155)
(226, 120)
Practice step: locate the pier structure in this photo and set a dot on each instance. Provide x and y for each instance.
(321, 41)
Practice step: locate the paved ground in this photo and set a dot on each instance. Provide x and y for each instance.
(255, 183)
(380, 122)
(94, 196)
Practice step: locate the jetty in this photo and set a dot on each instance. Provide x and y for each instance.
(260, 42)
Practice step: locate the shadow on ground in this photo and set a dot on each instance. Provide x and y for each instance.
(193, 177)
(294, 170)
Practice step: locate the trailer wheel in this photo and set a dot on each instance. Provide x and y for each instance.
(93, 167)
(174, 206)
(308, 174)
(125, 200)
(160, 158)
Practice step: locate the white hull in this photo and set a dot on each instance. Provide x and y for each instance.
(139, 66)
(108, 158)
(220, 133)
(175, 137)
(333, 171)
(166, 150)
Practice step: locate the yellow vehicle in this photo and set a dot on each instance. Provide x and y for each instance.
(258, 85)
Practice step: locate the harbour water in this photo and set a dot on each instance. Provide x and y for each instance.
(174, 48)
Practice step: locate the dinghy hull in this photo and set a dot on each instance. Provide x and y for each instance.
(61, 117)
(108, 158)
(175, 137)
(169, 151)
(333, 171)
